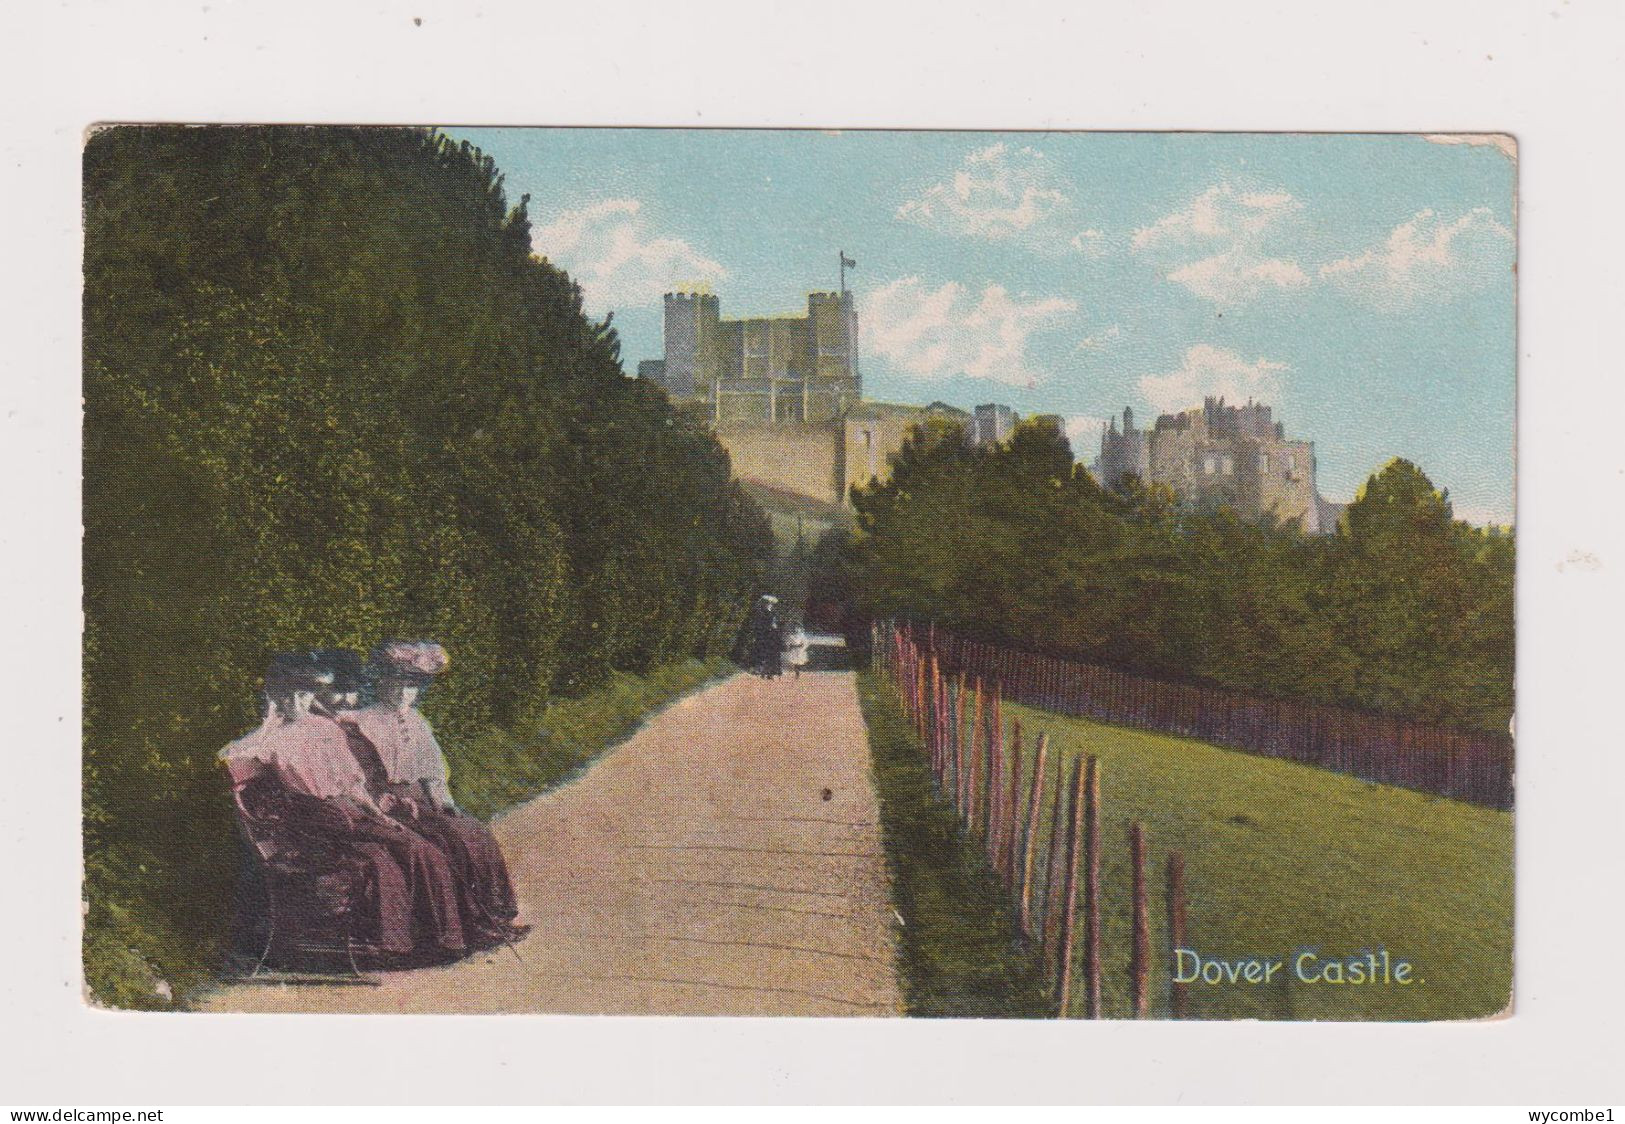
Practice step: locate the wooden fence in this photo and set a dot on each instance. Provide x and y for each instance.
(978, 765)
(1473, 766)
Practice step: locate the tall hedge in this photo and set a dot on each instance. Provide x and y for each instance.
(331, 397)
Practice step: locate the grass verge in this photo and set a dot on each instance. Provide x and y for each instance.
(956, 948)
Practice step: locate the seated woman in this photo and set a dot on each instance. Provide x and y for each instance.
(312, 758)
(415, 770)
(309, 827)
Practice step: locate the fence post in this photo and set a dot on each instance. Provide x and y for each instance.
(1176, 932)
(1030, 834)
(958, 718)
(930, 733)
(1011, 815)
(1050, 926)
(1091, 889)
(1069, 894)
(990, 782)
(975, 759)
(1140, 957)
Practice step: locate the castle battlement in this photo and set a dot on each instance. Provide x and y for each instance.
(776, 369)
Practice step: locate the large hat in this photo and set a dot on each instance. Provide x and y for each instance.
(296, 671)
(348, 668)
(414, 662)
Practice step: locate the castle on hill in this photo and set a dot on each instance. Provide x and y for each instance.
(785, 397)
(1220, 455)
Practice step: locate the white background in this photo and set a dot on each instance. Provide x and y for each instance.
(1549, 72)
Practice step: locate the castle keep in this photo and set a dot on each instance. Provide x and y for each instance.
(1219, 455)
(768, 369)
(783, 394)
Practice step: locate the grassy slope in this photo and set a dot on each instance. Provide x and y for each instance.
(956, 956)
(1281, 857)
(1278, 857)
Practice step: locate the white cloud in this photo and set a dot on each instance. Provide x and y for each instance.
(1100, 340)
(1083, 434)
(999, 194)
(611, 252)
(1232, 228)
(1207, 370)
(1237, 276)
(936, 333)
(1426, 256)
(1223, 211)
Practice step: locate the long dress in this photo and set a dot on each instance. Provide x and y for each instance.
(310, 828)
(412, 764)
(795, 649)
(767, 643)
(313, 757)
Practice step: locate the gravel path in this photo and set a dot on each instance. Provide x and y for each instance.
(726, 860)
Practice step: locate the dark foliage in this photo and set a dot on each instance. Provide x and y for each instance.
(331, 397)
(1404, 610)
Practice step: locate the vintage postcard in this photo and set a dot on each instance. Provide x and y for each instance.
(816, 573)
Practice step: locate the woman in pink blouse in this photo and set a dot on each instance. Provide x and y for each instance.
(329, 799)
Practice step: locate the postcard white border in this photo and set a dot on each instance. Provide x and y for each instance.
(1547, 72)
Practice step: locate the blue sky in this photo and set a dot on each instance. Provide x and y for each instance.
(1361, 284)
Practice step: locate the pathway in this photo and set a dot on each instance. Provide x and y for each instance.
(726, 860)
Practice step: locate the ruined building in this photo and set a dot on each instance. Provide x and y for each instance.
(1219, 455)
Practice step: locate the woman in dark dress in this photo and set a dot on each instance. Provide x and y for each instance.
(299, 825)
(767, 638)
(399, 751)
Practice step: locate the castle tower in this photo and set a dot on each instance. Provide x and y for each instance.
(692, 321)
(835, 382)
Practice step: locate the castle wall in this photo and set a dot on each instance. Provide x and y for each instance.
(872, 441)
(1173, 458)
(691, 330)
(792, 457)
(832, 340)
(756, 401)
(1125, 454)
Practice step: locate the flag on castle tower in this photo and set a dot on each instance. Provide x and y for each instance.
(846, 262)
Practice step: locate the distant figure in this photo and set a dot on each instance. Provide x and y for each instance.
(795, 649)
(766, 638)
